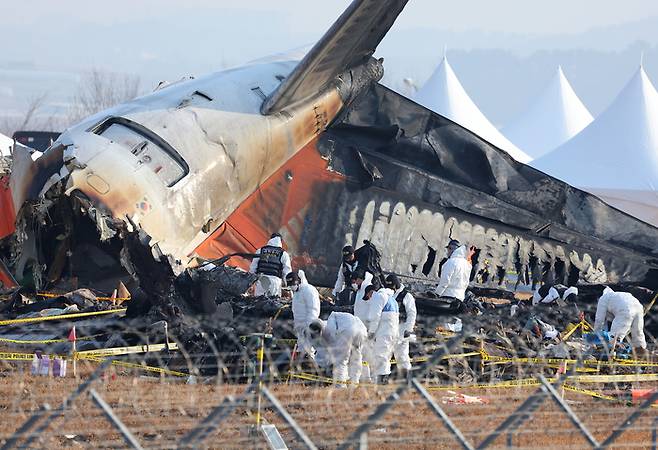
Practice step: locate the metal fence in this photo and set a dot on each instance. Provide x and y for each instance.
(160, 396)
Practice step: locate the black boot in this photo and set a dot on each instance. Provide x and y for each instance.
(382, 379)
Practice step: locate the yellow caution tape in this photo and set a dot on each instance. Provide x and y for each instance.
(622, 378)
(595, 394)
(524, 382)
(138, 366)
(617, 362)
(54, 295)
(14, 356)
(60, 317)
(117, 351)
(46, 341)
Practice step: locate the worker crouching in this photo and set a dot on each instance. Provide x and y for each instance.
(339, 343)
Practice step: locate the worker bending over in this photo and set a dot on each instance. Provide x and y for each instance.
(383, 331)
(305, 309)
(340, 341)
(272, 265)
(455, 273)
(407, 311)
(627, 314)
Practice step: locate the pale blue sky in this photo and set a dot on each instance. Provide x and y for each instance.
(503, 50)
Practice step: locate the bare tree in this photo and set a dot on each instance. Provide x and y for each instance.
(100, 90)
(29, 118)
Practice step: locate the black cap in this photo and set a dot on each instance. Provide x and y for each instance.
(293, 276)
(369, 289)
(359, 274)
(275, 234)
(392, 280)
(453, 243)
(348, 250)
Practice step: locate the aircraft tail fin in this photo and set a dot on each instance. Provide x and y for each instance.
(350, 41)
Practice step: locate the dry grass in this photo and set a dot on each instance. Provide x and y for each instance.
(161, 411)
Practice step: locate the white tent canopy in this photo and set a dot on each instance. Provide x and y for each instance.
(6, 143)
(445, 95)
(551, 120)
(616, 156)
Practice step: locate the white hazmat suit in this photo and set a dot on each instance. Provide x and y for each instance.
(305, 309)
(455, 275)
(401, 348)
(271, 284)
(341, 343)
(361, 307)
(384, 329)
(362, 311)
(627, 315)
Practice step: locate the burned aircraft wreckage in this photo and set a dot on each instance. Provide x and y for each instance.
(321, 152)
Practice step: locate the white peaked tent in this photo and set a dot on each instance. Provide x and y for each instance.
(556, 116)
(5, 145)
(616, 156)
(445, 95)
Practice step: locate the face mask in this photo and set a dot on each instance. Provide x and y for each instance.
(355, 286)
(294, 287)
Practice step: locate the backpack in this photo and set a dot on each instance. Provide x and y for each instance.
(369, 259)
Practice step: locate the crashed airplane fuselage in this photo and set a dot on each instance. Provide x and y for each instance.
(212, 165)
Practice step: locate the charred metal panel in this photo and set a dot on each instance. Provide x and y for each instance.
(458, 187)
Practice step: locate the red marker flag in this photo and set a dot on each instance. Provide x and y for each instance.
(72, 337)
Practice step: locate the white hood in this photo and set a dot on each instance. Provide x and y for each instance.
(275, 242)
(302, 277)
(460, 252)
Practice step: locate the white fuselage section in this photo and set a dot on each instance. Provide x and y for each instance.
(215, 125)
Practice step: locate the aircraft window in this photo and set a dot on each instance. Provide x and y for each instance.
(147, 147)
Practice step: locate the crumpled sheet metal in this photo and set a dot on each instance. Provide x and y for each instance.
(438, 182)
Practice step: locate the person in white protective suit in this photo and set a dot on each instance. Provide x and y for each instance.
(549, 294)
(340, 340)
(383, 331)
(407, 310)
(272, 265)
(456, 272)
(361, 279)
(305, 309)
(347, 267)
(627, 314)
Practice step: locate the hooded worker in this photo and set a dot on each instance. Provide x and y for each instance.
(383, 331)
(305, 309)
(455, 273)
(360, 281)
(407, 310)
(272, 265)
(627, 314)
(341, 339)
(347, 267)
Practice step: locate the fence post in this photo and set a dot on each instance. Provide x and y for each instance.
(355, 437)
(628, 422)
(288, 418)
(27, 425)
(116, 422)
(441, 414)
(572, 416)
